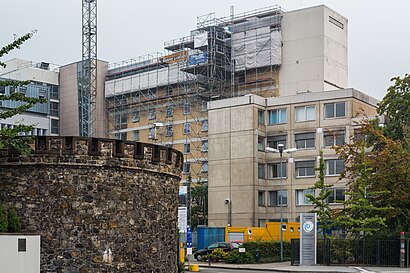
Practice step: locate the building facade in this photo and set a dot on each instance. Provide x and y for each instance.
(44, 83)
(242, 172)
(163, 98)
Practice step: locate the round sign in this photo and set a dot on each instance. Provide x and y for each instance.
(308, 226)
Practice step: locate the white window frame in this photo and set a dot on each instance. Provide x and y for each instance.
(186, 128)
(187, 148)
(279, 196)
(334, 136)
(306, 201)
(169, 112)
(278, 116)
(305, 140)
(305, 113)
(187, 108)
(186, 167)
(152, 114)
(271, 167)
(136, 133)
(334, 115)
(334, 194)
(262, 198)
(204, 167)
(261, 144)
(204, 146)
(136, 116)
(297, 172)
(204, 125)
(169, 130)
(333, 162)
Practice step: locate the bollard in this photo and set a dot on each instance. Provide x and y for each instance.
(402, 249)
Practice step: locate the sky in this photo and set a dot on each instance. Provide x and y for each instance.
(379, 40)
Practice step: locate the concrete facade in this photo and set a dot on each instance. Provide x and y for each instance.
(314, 53)
(241, 170)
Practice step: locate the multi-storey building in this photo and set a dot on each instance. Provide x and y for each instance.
(44, 83)
(245, 181)
(269, 52)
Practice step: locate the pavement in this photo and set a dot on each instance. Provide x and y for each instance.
(286, 267)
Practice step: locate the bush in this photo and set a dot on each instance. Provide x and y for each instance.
(268, 250)
(3, 220)
(13, 221)
(234, 257)
(217, 255)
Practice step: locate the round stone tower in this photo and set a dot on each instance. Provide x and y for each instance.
(100, 205)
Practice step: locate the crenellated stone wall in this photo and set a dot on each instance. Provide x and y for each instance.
(87, 196)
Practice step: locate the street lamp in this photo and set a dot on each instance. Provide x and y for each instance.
(154, 127)
(281, 149)
(229, 203)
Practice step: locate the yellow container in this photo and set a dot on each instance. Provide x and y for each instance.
(193, 268)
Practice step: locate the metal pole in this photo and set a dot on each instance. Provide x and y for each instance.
(281, 212)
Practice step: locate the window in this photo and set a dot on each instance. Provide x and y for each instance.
(204, 127)
(204, 147)
(305, 140)
(136, 116)
(261, 170)
(274, 170)
(261, 198)
(204, 106)
(12, 89)
(273, 141)
(151, 133)
(23, 90)
(187, 108)
(170, 111)
(123, 119)
(186, 167)
(261, 117)
(335, 110)
(54, 92)
(2, 89)
(305, 113)
(136, 96)
(187, 128)
(261, 222)
(261, 144)
(277, 116)
(305, 168)
(54, 109)
(136, 134)
(169, 130)
(204, 167)
(42, 93)
(301, 198)
(277, 198)
(187, 148)
(334, 166)
(55, 125)
(336, 195)
(21, 245)
(333, 138)
(152, 114)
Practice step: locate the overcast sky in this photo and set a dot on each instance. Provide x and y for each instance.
(379, 40)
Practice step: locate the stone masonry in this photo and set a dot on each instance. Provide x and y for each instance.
(100, 205)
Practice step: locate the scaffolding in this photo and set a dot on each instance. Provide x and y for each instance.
(163, 98)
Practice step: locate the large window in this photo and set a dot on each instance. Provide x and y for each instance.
(54, 109)
(305, 113)
(136, 134)
(305, 140)
(187, 167)
(151, 133)
(261, 117)
(277, 116)
(334, 166)
(261, 198)
(333, 138)
(277, 198)
(301, 198)
(336, 195)
(273, 141)
(187, 128)
(305, 168)
(55, 126)
(261, 170)
(335, 110)
(169, 130)
(261, 144)
(274, 170)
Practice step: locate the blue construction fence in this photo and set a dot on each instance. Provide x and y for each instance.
(204, 236)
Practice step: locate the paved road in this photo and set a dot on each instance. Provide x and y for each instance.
(357, 269)
(220, 270)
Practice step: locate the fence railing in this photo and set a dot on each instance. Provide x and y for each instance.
(352, 252)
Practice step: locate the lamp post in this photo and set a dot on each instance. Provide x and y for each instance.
(281, 149)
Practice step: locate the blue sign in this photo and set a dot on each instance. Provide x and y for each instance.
(189, 237)
(197, 58)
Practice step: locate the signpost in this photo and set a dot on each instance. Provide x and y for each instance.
(189, 243)
(308, 238)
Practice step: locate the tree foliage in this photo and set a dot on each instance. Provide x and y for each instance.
(396, 107)
(321, 205)
(3, 220)
(199, 205)
(8, 136)
(371, 201)
(13, 222)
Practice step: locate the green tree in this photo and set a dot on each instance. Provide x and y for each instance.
(8, 136)
(3, 220)
(13, 222)
(396, 107)
(363, 213)
(199, 205)
(321, 205)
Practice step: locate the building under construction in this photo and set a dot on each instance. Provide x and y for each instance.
(163, 98)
